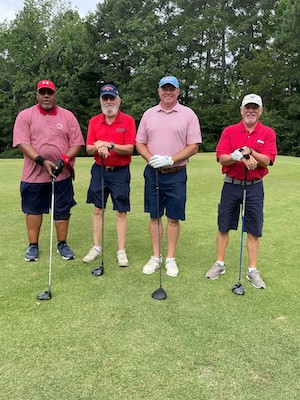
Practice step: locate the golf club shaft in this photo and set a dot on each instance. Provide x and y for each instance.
(51, 235)
(243, 224)
(102, 210)
(158, 225)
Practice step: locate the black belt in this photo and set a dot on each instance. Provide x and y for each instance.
(112, 169)
(229, 179)
(165, 170)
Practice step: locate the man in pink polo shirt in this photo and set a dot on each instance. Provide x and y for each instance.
(111, 140)
(168, 134)
(245, 150)
(49, 136)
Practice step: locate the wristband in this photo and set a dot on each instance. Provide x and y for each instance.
(40, 160)
(65, 158)
(250, 151)
(246, 156)
(112, 145)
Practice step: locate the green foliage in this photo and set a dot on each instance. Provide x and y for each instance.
(219, 50)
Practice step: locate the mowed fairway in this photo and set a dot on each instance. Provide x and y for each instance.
(106, 338)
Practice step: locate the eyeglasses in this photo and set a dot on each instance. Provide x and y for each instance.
(42, 92)
(107, 97)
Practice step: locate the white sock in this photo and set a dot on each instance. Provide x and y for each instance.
(98, 248)
(251, 269)
(222, 263)
(169, 259)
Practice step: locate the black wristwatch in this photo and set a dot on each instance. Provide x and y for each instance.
(247, 156)
(112, 145)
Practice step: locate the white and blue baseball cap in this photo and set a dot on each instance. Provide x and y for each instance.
(171, 80)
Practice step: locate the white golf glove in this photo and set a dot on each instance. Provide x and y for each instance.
(158, 161)
(237, 155)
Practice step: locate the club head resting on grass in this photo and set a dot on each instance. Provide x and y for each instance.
(238, 289)
(46, 295)
(159, 294)
(98, 271)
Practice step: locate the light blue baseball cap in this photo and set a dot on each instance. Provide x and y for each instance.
(171, 80)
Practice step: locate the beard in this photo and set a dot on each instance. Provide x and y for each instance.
(110, 110)
(47, 106)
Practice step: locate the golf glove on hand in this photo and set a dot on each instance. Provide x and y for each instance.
(60, 165)
(158, 161)
(237, 155)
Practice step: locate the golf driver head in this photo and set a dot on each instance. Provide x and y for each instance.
(98, 271)
(46, 295)
(159, 294)
(238, 289)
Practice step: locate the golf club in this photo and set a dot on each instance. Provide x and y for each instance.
(47, 295)
(100, 270)
(158, 294)
(238, 289)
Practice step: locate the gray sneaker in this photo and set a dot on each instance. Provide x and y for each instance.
(215, 271)
(255, 279)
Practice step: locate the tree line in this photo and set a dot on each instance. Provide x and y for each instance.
(218, 50)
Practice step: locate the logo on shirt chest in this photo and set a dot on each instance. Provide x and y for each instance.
(120, 130)
(59, 126)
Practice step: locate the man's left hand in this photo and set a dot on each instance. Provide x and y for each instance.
(158, 161)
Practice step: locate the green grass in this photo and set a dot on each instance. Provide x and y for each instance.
(106, 338)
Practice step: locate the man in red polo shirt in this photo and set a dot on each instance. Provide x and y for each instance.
(111, 139)
(49, 137)
(245, 150)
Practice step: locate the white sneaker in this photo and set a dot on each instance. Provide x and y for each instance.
(171, 267)
(122, 258)
(151, 265)
(92, 255)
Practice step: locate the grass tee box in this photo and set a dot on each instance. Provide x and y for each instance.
(107, 338)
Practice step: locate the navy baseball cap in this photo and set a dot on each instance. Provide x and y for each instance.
(171, 80)
(109, 89)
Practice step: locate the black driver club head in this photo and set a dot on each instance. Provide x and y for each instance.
(159, 294)
(98, 271)
(238, 289)
(46, 295)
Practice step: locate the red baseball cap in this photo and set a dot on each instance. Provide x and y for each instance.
(46, 84)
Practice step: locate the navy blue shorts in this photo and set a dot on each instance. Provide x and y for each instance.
(229, 208)
(116, 184)
(172, 193)
(36, 197)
